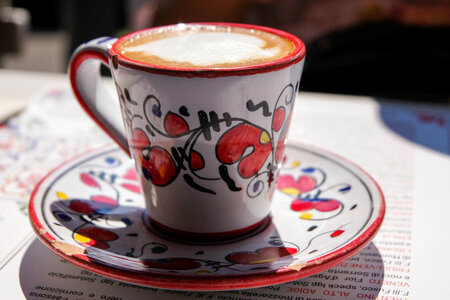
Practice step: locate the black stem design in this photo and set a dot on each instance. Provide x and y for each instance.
(324, 233)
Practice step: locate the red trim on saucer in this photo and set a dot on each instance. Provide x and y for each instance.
(75, 64)
(297, 55)
(206, 236)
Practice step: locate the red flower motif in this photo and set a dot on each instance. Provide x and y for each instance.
(323, 205)
(196, 161)
(278, 118)
(131, 175)
(95, 237)
(98, 204)
(288, 185)
(175, 125)
(139, 139)
(234, 143)
(158, 166)
(282, 141)
(132, 187)
(88, 180)
(337, 233)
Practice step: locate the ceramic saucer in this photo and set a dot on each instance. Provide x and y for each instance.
(90, 212)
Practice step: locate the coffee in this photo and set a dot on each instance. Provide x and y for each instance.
(204, 46)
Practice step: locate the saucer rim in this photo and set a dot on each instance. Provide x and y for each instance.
(215, 282)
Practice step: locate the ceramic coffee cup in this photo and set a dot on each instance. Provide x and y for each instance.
(206, 140)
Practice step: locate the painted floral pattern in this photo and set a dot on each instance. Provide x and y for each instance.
(99, 221)
(169, 144)
(96, 204)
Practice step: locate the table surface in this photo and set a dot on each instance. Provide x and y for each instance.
(404, 146)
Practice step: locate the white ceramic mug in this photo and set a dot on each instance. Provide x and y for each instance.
(207, 143)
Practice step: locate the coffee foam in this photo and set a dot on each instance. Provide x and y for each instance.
(205, 46)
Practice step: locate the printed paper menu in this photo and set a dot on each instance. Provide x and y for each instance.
(395, 143)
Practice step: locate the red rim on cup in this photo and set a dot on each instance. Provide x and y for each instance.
(297, 55)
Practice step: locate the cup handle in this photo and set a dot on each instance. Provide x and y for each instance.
(84, 74)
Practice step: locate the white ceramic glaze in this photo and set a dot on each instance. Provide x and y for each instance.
(214, 207)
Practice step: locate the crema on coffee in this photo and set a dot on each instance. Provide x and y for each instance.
(204, 46)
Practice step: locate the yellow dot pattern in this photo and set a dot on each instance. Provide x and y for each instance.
(61, 195)
(295, 163)
(264, 138)
(306, 216)
(81, 238)
(263, 261)
(291, 191)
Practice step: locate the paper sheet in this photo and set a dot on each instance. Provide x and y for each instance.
(404, 147)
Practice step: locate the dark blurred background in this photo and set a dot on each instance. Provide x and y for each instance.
(384, 48)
